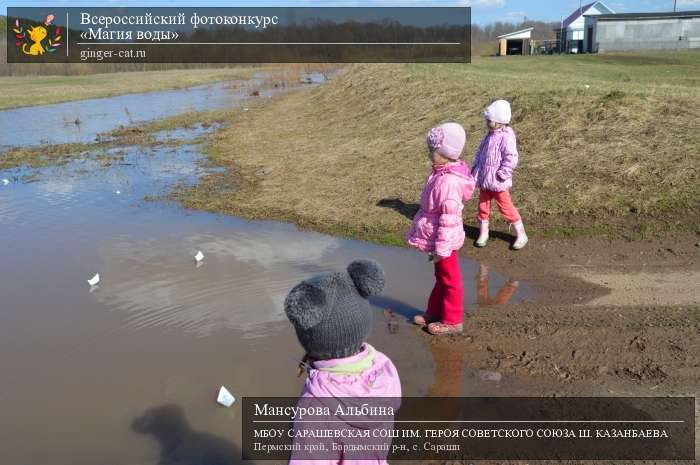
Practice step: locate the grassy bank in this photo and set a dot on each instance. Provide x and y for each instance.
(18, 91)
(606, 142)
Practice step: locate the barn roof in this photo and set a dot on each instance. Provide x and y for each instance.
(574, 16)
(660, 14)
(515, 32)
(578, 12)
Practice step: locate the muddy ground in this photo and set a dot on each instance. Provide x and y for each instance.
(611, 316)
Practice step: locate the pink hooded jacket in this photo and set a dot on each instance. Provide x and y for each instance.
(496, 159)
(438, 227)
(368, 374)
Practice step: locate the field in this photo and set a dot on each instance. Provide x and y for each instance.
(608, 143)
(603, 301)
(608, 185)
(19, 91)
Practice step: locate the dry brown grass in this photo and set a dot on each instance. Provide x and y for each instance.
(139, 134)
(334, 157)
(39, 90)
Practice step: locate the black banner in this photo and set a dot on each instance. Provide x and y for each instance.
(472, 428)
(238, 35)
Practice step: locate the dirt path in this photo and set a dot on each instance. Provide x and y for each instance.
(612, 350)
(600, 271)
(613, 317)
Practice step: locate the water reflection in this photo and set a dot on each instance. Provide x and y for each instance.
(56, 123)
(503, 295)
(85, 120)
(241, 283)
(147, 318)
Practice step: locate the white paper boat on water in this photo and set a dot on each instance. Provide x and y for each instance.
(5, 182)
(199, 257)
(225, 398)
(94, 280)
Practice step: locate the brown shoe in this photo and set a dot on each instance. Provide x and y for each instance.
(423, 319)
(438, 329)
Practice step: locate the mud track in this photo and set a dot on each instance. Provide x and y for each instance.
(612, 317)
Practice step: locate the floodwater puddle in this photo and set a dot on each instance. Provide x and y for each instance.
(84, 120)
(99, 376)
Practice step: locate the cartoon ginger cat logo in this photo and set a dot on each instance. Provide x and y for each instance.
(31, 40)
(36, 35)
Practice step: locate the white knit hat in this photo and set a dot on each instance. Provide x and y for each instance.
(498, 112)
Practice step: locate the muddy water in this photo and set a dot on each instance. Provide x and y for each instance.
(84, 120)
(79, 366)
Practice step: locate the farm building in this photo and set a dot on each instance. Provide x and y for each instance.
(515, 43)
(576, 35)
(645, 31)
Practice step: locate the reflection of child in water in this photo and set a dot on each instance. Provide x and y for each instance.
(502, 297)
(449, 371)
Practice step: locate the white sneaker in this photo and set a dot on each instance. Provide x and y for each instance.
(520, 236)
(483, 234)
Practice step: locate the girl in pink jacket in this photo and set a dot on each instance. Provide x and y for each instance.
(438, 229)
(493, 168)
(332, 319)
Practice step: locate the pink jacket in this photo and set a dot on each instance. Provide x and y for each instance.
(368, 374)
(496, 159)
(438, 227)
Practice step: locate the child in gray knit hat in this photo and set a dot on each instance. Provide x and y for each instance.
(332, 319)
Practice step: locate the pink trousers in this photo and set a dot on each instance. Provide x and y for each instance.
(504, 203)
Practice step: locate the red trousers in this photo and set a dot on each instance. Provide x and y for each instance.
(504, 202)
(445, 300)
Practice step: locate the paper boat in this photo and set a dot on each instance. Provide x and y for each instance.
(5, 182)
(199, 257)
(225, 398)
(94, 280)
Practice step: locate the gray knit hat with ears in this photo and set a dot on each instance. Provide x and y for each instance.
(331, 313)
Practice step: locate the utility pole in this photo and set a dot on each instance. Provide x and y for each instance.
(674, 6)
